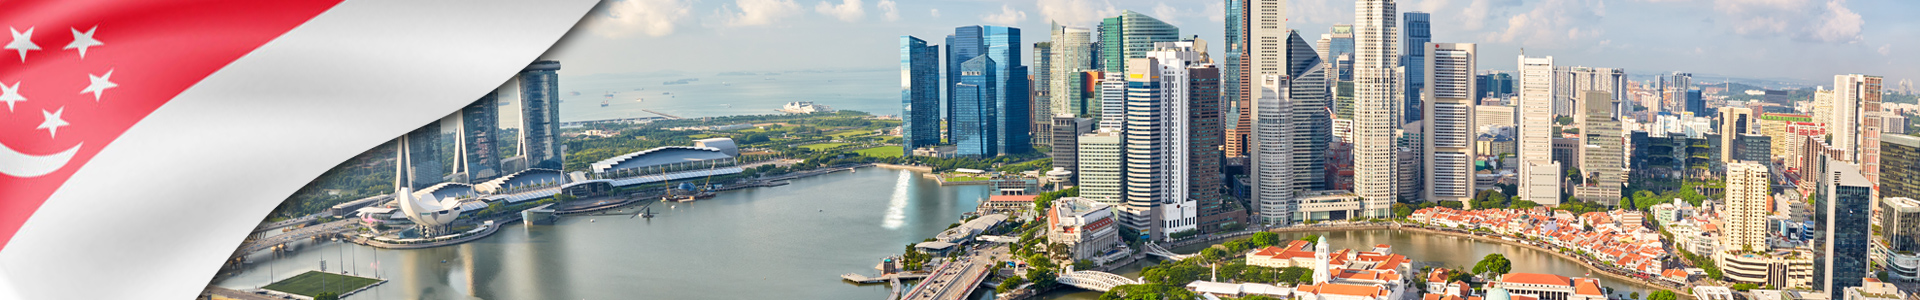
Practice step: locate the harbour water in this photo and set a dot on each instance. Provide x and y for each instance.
(872, 91)
(788, 242)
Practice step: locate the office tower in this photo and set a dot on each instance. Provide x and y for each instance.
(1696, 103)
(540, 115)
(1674, 88)
(1822, 106)
(1900, 216)
(1449, 123)
(1603, 156)
(919, 94)
(973, 124)
(1012, 124)
(1842, 212)
(964, 44)
(1857, 121)
(422, 147)
(1734, 123)
(1899, 166)
(1418, 34)
(1072, 53)
(1237, 77)
(1113, 99)
(478, 152)
(1747, 203)
(1539, 175)
(1340, 51)
(1272, 171)
(1101, 165)
(1375, 101)
(1266, 52)
(1493, 85)
(1065, 150)
(1130, 35)
(1040, 94)
(1204, 139)
(1149, 178)
(1311, 125)
(1409, 152)
(1342, 110)
(1610, 80)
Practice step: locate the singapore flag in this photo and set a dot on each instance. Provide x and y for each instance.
(142, 140)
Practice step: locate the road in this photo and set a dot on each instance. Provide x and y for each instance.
(298, 234)
(224, 293)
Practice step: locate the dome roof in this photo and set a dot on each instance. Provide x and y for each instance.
(1498, 294)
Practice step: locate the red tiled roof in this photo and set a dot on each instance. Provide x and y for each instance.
(1586, 286)
(1011, 198)
(1535, 278)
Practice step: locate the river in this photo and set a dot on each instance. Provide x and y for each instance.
(788, 242)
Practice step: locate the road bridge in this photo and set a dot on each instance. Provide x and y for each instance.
(254, 245)
(1094, 280)
(1157, 250)
(951, 281)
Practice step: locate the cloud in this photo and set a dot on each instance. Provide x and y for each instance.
(1817, 21)
(1166, 13)
(848, 10)
(755, 12)
(1006, 16)
(1321, 11)
(1886, 49)
(890, 9)
(1478, 13)
(1217, 11)
(935, 12)
(1554, 23)
(1076, 12)
(629, 17)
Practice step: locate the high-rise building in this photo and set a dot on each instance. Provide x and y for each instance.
(1570, 82)
(1449, 123)
(1376, 104)
(1312, 123)
(1842, 212)
(1237, 77)
(1040, 94)
(919, 94)
(1696, 103)
(1419, 32)
(479, 145)
(1072, 53)
(1130, 35)
(1340, 51)
(1013, 129)
(1113, 99)
(973, 125)
(1272, 173)
(964, 44)
(1856, 121)
(1101, 163)
(423, 166)
(1899, 166)
(1204, 139)
(1492, 85)
(1900, 216)
(1603, 156)
(1539, 175)
(1066, 131)
(1159, 143)
(540, 115)
(1734, 123)
(1747, 202)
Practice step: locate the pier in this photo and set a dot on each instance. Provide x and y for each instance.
(669, 117)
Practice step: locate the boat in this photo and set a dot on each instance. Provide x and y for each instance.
(603, 103)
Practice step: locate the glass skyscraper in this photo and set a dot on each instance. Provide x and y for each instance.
(479, 145)
(1842, 212)
(1130, 35)
(540, 115)
(1418, 35)
(973, 128)
(1899, 166)
(1011, 91)
(919, 94)
(965, 43)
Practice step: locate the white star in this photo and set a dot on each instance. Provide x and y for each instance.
(53, 121)
(83, 40)
(22, 42)
(11, 94)
(98, 84)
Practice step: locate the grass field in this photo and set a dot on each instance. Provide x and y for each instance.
(965, 178)
(851, 133)
(822, 146)
(310, 283)
(882, 151)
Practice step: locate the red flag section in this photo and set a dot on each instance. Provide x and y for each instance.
(75, 74)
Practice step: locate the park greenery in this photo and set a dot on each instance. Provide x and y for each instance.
(315, 283)
(1493, 264)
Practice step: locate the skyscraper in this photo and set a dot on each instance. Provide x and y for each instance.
(540, 115)
(1747, 202)
(478, 152)
(1237, 77)
(973, 125)
(1842, 212)
(1101, 162)
(1340, 51)
(1272, 153)
(422, 147)
(919, 94)
(1040, 94)
(965, 43)
(1204, 138)
(1602, 149)
(1066, 131)
(1130, 35)
(1113, 99)
(1899, 166)
(1150, 162)
(1072, 50)
(1010, 99)
(1450, 117)
(1857, 121)
(1418, 34)
(1376, 102)
(1539, 174)
(1735, 122)
(1311, 124)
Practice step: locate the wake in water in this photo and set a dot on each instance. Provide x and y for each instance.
(897, 207)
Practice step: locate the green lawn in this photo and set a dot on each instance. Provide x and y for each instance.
(822, 146)
(964, 178)
(882, 151)
(310, 283)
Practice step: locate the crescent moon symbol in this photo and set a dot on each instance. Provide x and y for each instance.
(16, 164)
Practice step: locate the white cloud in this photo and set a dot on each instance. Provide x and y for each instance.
(755, 12)
(890, 10)
(1321, 11)
(1886, 49)
(1007, 16)
(935, 12)
(629, 17)
(847, 10)
(1076, 12)
(1820, 21)
(1166, 13)
(1478, 13)
(1217, 11)
(1554, 23)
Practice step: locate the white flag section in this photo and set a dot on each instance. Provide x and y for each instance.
(157, 211)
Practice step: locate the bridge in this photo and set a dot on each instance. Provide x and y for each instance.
(951, 281)
(1093, 280)
(253, 245)
(670, 117)
(265, 227)
(1157, 250)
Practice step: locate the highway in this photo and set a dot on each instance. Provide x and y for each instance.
(298, 234)
(952, 281)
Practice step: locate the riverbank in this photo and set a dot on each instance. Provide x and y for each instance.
(1417, 228)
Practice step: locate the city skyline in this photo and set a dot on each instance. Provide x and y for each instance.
(1644, 38)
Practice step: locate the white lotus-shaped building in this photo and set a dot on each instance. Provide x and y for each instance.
(425, 210)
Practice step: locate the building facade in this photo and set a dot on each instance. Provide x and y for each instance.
(1101, 167)
(919, 94)
(1603, 153)
(1419, 31)
(1899, 166)
(1841, 216)
(973, 127)
(540, 115)
(1449, 157)
(1539, 175)
(1747, 200)
(1376, 102)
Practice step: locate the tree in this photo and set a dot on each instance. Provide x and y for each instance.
(1662, 295)
(1213, 254)
(1493, 263)
(1634, 295)
(1263, 239)
(1744, 286)
(326, 296)
(1524, 204)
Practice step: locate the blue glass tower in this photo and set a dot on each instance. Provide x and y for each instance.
(974, 127)
(919, 94)
(1418, 34)
(964, 44)
(1010, 96)
(540, 115)
(1842, 212)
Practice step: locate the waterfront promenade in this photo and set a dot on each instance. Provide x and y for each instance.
(1589, 263)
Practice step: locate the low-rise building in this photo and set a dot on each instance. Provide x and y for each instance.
(1551, 287)
(1006, 204)
(1785, 269)
(1873, 289)
(1086, 227)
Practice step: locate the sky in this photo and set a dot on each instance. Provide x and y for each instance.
(1805, 40)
